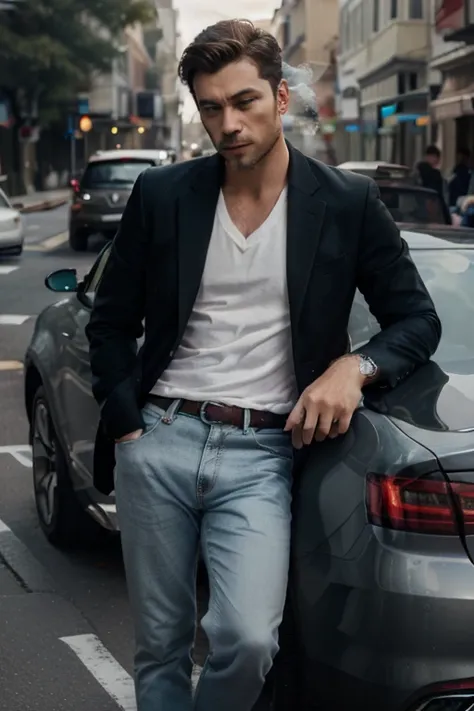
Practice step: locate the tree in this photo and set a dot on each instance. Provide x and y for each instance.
(50, 48)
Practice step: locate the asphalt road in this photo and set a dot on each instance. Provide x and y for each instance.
(66, 638)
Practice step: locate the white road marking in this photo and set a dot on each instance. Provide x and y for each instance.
(11, 365)
(56, 241)
(104, 668)
(18, 452)
(22, 562)
(7, 269)
(107, 671)
(13, 319)
(4, 528)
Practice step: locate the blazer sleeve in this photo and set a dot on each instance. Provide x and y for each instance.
(396, 295)
(116, 322)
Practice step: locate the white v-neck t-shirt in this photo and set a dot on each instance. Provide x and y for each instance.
(236, 349)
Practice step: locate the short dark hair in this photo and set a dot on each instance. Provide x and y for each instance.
(229, 41)
(464, 152)
(433, 151)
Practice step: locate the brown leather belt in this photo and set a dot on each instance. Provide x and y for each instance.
(223, 414)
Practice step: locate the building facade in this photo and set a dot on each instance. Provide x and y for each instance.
(383, 79)
(452, 110)
(307, 33)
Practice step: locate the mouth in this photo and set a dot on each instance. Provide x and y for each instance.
(235, 148)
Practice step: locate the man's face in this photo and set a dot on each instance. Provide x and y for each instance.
(240, 112)
(433, 160)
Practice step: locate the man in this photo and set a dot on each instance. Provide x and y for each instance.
(429, 173)
(458, 185)
(243, 267)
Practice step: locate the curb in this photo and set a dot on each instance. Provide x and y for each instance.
(44, 205)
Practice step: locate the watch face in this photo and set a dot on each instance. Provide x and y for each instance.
(367, 367)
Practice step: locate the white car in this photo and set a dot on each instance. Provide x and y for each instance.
(12, 229)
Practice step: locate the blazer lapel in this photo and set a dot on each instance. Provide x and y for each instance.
(305, 219)
(196, 211)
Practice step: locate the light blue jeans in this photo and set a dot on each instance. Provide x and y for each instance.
(187, 481)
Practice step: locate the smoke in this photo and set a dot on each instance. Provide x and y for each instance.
(301, 81)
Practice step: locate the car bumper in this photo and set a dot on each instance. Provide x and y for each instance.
(381, 629)
(96, 222)
(11, 239)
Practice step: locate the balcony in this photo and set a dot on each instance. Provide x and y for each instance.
(455, 20)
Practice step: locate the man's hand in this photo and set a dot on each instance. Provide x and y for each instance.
(128, 437)
(326, 407)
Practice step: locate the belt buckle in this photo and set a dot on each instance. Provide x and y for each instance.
(203, 415)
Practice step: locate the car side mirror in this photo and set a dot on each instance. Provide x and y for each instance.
(62, 280)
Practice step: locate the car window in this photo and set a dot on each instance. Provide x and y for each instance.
(449, 277)
(414, 206)
(113, 173)
(92, 280)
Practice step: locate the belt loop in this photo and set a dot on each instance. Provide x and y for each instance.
(247, 420)
(170, 414)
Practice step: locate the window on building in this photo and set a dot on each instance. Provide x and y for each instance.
(413, 81)
(393, 9)
(286, 32)
(376, 16)
(416, 9)
(401, 84)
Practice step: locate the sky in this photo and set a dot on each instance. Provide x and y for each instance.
(195, 15)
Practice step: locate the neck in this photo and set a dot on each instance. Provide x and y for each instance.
(269, 173)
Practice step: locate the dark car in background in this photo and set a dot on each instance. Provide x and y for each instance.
(411, 206)
(384, 535)
(101, 193)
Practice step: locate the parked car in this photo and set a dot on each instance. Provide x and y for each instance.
(384, 537)
(102, 191)
(411, 206)
(12, 230)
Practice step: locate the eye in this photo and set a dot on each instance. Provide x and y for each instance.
(245, 103)
(210, 109)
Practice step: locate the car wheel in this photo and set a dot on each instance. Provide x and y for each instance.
(78, 240)
(61, 517)
(16, 251)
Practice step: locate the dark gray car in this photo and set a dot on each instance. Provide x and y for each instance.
(101, 193)
(384, 541)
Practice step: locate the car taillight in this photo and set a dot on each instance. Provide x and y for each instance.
(424, 505)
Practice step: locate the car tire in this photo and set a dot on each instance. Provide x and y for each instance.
(61, 517)
(16, 251)
(78, 240)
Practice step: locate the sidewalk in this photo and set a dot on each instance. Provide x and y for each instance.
(46, 200)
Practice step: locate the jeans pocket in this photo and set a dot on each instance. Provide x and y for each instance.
(152, 415)
(274, 441)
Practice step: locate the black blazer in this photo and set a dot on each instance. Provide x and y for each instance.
(339, 236)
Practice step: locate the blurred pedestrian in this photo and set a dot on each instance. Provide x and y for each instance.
(242, 266)
(458, 184)
(428, 171)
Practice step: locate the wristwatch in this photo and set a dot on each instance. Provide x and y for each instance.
(367, 367)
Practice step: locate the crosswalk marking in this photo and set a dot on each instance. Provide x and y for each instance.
(48, 244)
(13, 319)
(7, 269)
(107, 671)
(20, 452)
(11, 365)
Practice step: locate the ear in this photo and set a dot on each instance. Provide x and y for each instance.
(283, 97)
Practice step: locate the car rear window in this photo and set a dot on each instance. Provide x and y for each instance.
(413, 206)
(105, 174)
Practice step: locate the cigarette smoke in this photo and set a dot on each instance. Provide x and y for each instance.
(301, 81)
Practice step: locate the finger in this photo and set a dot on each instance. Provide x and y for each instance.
(297, 437)
(310, 422)
(334, 431)
(295, 417)
(344, 423)
(324, 426)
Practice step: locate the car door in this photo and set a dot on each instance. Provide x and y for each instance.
(81, 409)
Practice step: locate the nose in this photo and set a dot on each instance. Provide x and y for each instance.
(231, 121)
